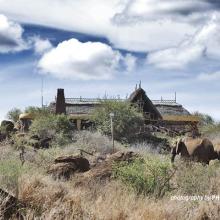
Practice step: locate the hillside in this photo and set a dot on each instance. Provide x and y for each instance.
(76, 175)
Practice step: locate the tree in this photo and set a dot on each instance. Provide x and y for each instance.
(13, 114)
(127, 119)
(205, 119)
(57, 127)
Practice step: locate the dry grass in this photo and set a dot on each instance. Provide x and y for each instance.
(55, 200)
(110, 200)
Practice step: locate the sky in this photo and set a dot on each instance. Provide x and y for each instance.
(93, 48)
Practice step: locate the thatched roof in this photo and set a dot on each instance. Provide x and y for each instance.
(139, 96)
(171, 109)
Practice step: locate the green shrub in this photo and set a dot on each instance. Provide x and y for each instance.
(149, 176)
(13, 114)
(194, 178)
(9, 173)
(37, 112)
(57, 127)
(127, 119)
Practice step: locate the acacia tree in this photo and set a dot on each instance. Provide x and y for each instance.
(127, 119)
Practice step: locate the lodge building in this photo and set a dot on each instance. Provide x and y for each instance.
(158, 113)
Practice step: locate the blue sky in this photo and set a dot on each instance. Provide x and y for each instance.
(93, 47)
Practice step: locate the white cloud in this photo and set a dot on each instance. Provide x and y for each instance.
(10, 36)
(144, 10)
(144, 35)
(130, 62)
(41, 45)
(209, 76)
(205, 43)
(91, 60)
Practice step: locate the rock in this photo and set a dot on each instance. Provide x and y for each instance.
(122, 156)
(81, 163)
(38, 143)
(7, 125)
(2, 137)
(35, 137)
(103, 170)
(66, 166)
(9, 206)
(62, 170)
(45, 143)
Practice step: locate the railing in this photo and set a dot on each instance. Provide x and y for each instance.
(89, 100)
(163, 101)
(97, 100)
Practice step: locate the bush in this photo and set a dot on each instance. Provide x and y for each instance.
(37, 112)
(147, 176)
(194, 178)
(94, 142)
(58, 127)
(127, 119)
(13, 114)
(204, 119)
(9, 173)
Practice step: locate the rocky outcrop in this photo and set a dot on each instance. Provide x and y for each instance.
(38, 143)
(64, 167)
(103, 170)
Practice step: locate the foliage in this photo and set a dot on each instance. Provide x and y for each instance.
(58, 127)
(13, 114)
(127, 119)
(37, 111)
(147, 176)
(205, 119)
(194, 178)
(94, 142)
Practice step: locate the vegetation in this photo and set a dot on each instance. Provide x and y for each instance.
(207, 125)
(139, 189)
(13, 114)
(57, 127)
(37, 111)
(205, 119)
(127, 120)
(147, 176)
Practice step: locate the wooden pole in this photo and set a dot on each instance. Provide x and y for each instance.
(112, 131)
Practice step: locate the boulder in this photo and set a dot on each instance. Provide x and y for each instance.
(8, 126)
(103, 170)
(38, 143)
(45, 143)
(2, 137)
(64, 167)
(62, 170)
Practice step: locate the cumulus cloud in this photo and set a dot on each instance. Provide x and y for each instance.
(73, 59)
(41, 45)
(11, 36)
(205, 43)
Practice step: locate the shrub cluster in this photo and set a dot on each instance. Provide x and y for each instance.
(149, 176)
(57, 127)
(127, 119)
